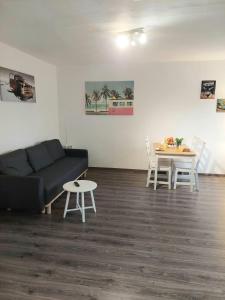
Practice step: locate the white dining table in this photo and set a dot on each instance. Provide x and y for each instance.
(180, 153)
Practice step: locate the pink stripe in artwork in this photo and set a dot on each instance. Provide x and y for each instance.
(121, 111)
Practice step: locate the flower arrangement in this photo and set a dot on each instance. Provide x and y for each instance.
(179, 141)
(171, 142)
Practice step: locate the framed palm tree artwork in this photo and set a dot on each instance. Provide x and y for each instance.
(109, 97)
(220, 107)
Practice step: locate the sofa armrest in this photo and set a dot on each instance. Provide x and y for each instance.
(22, 193)
(77, 153)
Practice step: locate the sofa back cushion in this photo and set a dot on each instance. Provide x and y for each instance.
(55, 149)
(15, 163)
(39, 157)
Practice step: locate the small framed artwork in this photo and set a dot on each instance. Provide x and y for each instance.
(220, 106)
(16, 86)
(109, 97)
(208, 89)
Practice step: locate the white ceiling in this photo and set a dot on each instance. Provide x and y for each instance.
(83, 31)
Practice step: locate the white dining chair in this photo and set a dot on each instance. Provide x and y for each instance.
(183, 170)
(164, 165)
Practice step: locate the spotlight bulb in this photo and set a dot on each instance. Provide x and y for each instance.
(142, 39)
(122, 41)
(131, 38)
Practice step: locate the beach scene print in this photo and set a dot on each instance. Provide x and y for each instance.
(109, 97)
(220, 107)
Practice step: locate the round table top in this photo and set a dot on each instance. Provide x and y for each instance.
(85, 186)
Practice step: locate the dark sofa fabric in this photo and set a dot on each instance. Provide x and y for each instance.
(55, 149)
(69, 168)
(39, 157)
(22, 193)
(30, 187)
(15, 163)
(77, 153)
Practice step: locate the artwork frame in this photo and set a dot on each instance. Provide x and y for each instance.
(16, 86)
(220, 105)
(208, 89)
(109, 97)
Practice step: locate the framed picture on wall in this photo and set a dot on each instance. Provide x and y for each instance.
(208, 89)
(16, 86)
(220, 106)
(109, 97)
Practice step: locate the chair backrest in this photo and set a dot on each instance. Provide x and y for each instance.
(198, 145)
(149, 151)
(148, 146)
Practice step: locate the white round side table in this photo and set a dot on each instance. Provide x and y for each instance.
(84, 186)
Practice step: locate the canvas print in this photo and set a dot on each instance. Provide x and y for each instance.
(109, 97)
(220, 107)
(16, 86)
(208, 89)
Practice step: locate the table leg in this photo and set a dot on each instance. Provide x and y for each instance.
(93, 200)
(82, 208)
(192, 174)
(77, 201)
(156, 172)
(66, 205)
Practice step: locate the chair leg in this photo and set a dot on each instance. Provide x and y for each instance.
(148, 177)
(147, 181)
(169, 179)
(172, 177)
(196, 182)
(175, 180)
(155, 178)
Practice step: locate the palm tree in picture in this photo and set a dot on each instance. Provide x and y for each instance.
(105, 93)
(115, 94)
(128, 93)
(96, 95)
(87, 100)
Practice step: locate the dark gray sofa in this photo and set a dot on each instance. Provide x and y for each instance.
(32, 178)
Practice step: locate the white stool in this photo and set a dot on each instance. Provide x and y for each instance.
(84, 186)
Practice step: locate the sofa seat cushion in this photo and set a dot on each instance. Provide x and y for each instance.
(55, 149)
(15, 163)
(63, 170)
(39, 157)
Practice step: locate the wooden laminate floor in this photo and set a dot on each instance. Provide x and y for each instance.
(141, 244)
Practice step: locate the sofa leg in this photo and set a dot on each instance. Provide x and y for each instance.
(85, 174)
(49, 209)
(43, 211)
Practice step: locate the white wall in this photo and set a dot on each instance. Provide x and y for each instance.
(23, 124)
(167, 103)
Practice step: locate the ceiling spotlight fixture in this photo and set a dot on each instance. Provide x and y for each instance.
(142, 38)
(132, 37)
(122, 41)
